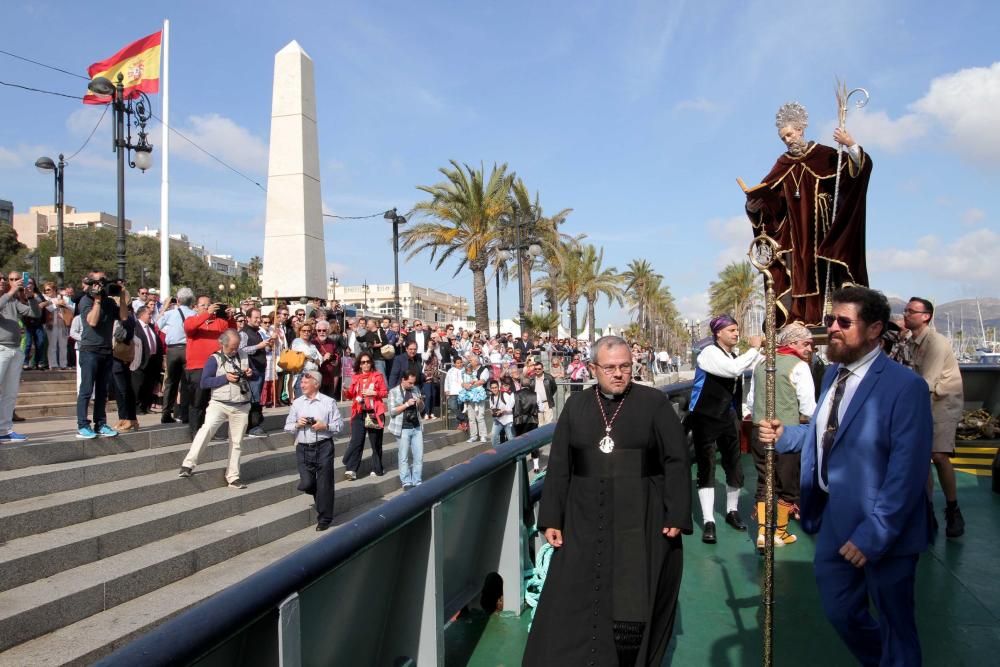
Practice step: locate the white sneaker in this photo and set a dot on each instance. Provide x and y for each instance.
(372, 474)
(484, 439)
(472, 439)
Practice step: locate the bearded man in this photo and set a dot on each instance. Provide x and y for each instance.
(820, 249)
(866, 455)
(617, 497)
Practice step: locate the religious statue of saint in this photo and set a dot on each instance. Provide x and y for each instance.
(816, 213)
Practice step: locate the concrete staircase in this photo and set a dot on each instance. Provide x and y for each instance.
(51, 394)
(100, 540)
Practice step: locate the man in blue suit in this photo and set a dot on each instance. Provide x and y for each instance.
(865, 460)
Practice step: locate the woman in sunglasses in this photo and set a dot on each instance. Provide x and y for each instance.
(367, 395)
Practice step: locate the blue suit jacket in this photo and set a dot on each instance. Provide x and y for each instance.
(877, 468)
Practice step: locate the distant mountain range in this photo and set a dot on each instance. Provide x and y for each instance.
(963, 312)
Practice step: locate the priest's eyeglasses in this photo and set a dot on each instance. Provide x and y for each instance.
(624, 369)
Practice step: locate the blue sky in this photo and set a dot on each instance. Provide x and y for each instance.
(637, 115)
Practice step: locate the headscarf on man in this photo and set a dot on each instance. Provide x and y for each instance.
(793, 332)
(720, 322)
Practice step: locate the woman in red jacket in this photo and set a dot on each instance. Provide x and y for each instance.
(367, 395)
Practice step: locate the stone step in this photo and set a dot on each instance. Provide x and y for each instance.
(28, 377)
(46, 479)
(36, 398)
(46, 605)
(31, 516)
(84, 642)
(36, 386)
(32, 557)
(66, 447)
(62, 409)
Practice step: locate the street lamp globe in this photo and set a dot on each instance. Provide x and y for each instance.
(232, 286)
(221, 287)
(45, 165)
(534, 250)
(101, 86)
(143, 158)
(504, 255)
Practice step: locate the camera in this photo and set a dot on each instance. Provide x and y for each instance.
(243, 385)
(310, 420)
(220, 311)
(114, 289)
(496, 412)
(95, 286)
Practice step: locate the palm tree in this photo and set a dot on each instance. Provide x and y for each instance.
(542, 321)
(597, 282)
(735, 291)
(554, 245)
(255, 266)
(566, 285)
(641, 283)
(465, 210)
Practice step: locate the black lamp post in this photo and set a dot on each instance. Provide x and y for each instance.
(136, 105)
(45, 165)
(520, 246)
(364, 286)
(396, 221)
(333, 285)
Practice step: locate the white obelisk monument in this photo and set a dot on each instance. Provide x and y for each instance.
(294, 250)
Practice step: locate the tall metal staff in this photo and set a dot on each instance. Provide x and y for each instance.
(843, 100)
(763, 252)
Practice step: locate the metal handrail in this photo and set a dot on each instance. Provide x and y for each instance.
(196, 631)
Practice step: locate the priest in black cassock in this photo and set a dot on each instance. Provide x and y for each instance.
(617, 497)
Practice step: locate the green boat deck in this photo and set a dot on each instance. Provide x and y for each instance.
(718, 624)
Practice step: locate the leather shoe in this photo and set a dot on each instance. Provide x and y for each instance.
(708, 535)
(167, 419)
(734, 520)
(320, 527)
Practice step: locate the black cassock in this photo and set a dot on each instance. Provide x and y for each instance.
(615, 563)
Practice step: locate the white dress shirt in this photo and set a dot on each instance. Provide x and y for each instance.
(858, 370)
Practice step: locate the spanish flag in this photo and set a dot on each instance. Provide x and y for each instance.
(138, 63)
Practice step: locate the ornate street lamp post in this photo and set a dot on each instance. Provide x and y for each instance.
(396, 221)
(520, 246)
(45, 165)
(137, 105)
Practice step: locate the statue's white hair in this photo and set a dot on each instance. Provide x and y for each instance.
(792, 113)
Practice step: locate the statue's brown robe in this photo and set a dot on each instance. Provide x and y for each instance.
(801, 226)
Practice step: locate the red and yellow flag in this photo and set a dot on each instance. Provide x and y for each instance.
(139, 63)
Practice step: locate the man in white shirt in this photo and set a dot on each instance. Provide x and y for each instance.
(315, 419)
(712, 416)
(452, 388)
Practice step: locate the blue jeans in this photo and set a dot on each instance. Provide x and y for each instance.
(457, 409)
(411, 442)
(35, 336)
(506, 428)
(430, 392)
(95, 374)
(380, 367)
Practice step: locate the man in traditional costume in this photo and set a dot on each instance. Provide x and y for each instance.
(712, 416)
(795, 402)
(821, 249)
(617, 497)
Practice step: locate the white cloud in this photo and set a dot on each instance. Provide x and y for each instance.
(224, 138)
(735, 234)
(964, 104)
(693, 306)
(968, 260)
(342, 271)
(81, 122)
(875, 129)
(973, 216)
(9, 158)
(23, 156)
(697, 104)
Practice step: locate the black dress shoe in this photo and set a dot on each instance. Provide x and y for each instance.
(167, 419)
(708, 535)
(734, 520)
(320, 527)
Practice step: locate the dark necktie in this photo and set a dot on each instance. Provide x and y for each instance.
(833, 421)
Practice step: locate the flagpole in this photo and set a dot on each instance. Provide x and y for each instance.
(165, 171)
